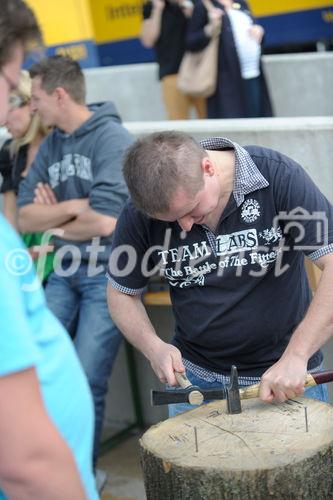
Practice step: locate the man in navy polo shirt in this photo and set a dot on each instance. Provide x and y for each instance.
(228, 227)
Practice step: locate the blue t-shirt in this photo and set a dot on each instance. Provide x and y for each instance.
(237, 293)
(30, 336)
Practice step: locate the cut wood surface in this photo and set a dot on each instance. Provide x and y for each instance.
(266, 451)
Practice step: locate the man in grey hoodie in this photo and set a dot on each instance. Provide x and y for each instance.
(75, 190)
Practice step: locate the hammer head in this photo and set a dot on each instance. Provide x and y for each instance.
(195, 395)
(232, 392)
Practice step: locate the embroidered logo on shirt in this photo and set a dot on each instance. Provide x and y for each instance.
(271, 235)
(250, 210)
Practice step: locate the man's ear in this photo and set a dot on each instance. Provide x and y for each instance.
(60, 94)
(207, 166)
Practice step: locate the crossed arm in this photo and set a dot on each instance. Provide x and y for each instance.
(77, 220)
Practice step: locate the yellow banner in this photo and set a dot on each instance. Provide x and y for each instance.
(63, 21)
(116, 19)
(68, 21)
(270, 8)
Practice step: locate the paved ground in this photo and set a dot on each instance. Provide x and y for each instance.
(124, 472)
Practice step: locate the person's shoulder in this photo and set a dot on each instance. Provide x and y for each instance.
(273, 164)
(50, 139)
(132, 215)
(113, 127)
(135, 227)
(268, 155)
(6, 144)
(132, 225)
(106, 121)
(130, 212)
(4, 153)
(112, 139)
(101, 112)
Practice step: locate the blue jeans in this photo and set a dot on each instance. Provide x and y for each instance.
(79, 302)
(318, 392)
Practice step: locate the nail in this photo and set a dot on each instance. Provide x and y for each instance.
(196, 439)
(306, 419)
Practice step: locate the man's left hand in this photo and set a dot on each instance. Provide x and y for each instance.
(44, 195)
(284, 380)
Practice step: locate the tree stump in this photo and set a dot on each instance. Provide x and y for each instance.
(266, 452)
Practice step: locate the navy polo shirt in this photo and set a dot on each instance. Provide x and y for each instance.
(239, 293)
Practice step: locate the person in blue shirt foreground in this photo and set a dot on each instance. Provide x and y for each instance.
(46, 413)
(75, 190)
(228, 227)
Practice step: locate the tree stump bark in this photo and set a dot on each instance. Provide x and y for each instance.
(266, 452)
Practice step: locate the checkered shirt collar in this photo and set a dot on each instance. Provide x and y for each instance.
(247, 175)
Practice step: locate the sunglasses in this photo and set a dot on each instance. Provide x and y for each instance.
(17, 101)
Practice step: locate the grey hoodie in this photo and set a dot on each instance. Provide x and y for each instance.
(84, 164)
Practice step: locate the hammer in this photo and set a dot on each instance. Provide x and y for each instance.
(196, 396)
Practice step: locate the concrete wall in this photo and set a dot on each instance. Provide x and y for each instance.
(300, 85)
(307, 140)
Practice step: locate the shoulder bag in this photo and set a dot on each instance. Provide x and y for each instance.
(197, 75)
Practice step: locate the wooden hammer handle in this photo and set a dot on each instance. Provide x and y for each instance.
(182, 380)
(253, 390)
(194, 397)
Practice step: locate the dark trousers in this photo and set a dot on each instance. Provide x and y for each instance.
(253, 100)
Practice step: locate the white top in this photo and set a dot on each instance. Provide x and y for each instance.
(247, 47)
